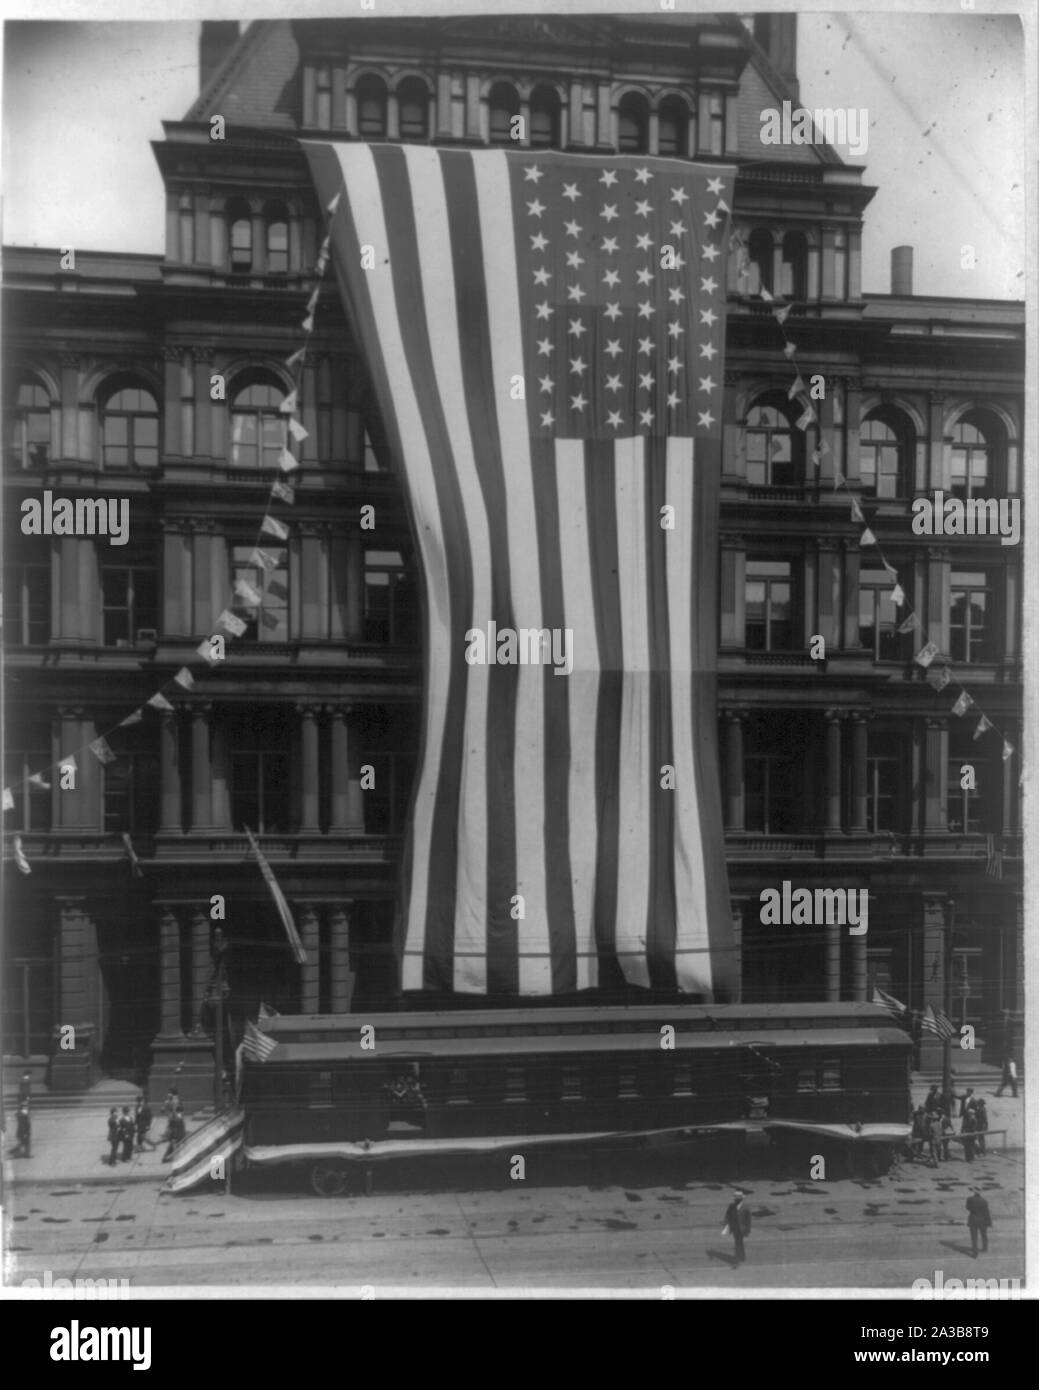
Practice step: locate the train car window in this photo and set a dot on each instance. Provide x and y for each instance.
(321, 1088)
(831, 1075)
(806, 1080)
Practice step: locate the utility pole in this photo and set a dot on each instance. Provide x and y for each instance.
(219, 986)
(950, 932)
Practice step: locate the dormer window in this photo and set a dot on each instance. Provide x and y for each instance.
(241, 237)
(277, 224)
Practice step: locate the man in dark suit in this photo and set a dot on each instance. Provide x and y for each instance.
(737, 1224)
(979, 1219)
(113, 1136)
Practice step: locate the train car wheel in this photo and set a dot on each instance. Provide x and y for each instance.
(328, 1179)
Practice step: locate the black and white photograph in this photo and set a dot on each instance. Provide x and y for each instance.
(515, 631)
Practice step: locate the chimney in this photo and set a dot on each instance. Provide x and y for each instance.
(902, 270)
(777, 35)
(216, 40)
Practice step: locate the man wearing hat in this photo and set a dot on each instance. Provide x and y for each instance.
(737, 1223)
(979, 1219)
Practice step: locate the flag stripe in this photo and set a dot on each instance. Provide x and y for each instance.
(582, 689)
(492, 878)
(660, 923)
(494, 203)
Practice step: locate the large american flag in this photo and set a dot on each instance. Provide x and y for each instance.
(545, 334)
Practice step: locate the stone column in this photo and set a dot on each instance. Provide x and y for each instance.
(736, 906)
(857, 945)
(313, 593)
(310, 971)
(354, 615)
(171, 1024)
(828, 593)
(309, 770)
(77, 807)
(201, 965)
(859, 772)
(936, 441)
(169, 774)
(936, 797)
(938, 586)
(342, 976)
(76, 1040)
(833, 962)
(203, 402)
(935, 948)
(220, 795)
(834, 721)
(172, 443)
(176, 579)
(443, 123)
(734, 803)
(201, 769)
(79, 591)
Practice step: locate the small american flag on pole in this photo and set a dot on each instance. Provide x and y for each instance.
(546, 336)
(934, 1021)
(255, 1044)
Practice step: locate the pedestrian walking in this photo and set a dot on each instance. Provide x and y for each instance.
(25, 1089)
(969, 1128)
(981, 1123)
(177, 1131)
(142, 1124)
(919, 1135)
(24, 1130)
(1006, 1049)
(113, 1136)
(947, 1128)
(737, 1224)
(932, 1101)
(966, 1100)
(934, 1136)
(979, 1219)
(126, 1135)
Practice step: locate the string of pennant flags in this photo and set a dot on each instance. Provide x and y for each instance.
(266, 555)
(929, 653)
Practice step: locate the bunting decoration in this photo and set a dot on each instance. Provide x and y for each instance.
(131, 854)
(158, 701)
(962, 705)
(101, 751)
(19, 856)
(184, 678)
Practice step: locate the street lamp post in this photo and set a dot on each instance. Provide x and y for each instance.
(950, 931)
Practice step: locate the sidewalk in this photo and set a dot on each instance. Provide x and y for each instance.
(70, 1145)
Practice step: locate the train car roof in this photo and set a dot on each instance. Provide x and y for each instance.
(314, 1053)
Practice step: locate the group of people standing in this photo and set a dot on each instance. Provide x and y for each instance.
(933, 1124)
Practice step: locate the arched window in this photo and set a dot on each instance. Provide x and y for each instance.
(276, 220)
(545, 118)
(972, 455)
(632, 124)
(673, 137)
(759, 249)
(795, 266)
(130, 428)
(371, 108)
(775, 450)
(240, 238)
(503, 105)
(885, 451)
(413, 108)
(30, 427)
(257, 425)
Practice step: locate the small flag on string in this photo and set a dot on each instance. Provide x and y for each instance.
(334, 204)
(889, 1002)
(797, 388)
(1008, 749)
(723, 205)
(131, 854)
(36, 780)
(297, 431)
(867, 537)
(243, 589)
(158, 701)
(68, 764)
(8, 799)
(898, 596)
(789, 349)
(19, 856)
(805, 419)
(287, 461)
(284, 911)
(817, 458)
(134, 718)
(824, 447)
(735, 241)
(926, 655)
(284, 492)
(265, 1011)
(312, 301)
(856, 512)
(982, 727)
(909, 624)
(308, 324)
(993, 856)
(321, 263)
(271, 526)
(889, 567)
(290, 404)
(230, 623)
(838, 479)
(782, 314)
(276, 589)
(766, 295)
(264, 559)
(205, 650)
(101, 751)
(297, 356)
(962, 705)
(939, 678)
(184, 678)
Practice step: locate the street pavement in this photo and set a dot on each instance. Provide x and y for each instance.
(639, 1223)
